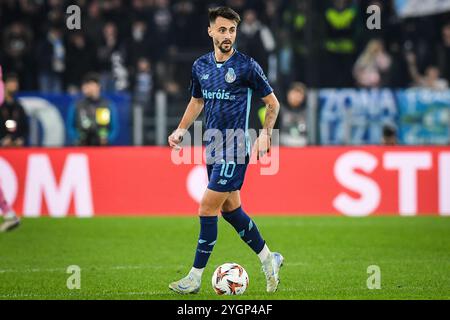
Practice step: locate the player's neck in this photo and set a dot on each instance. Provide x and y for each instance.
(221, 56)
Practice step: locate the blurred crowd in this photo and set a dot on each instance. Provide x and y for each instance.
(136, 45)
(139, 46)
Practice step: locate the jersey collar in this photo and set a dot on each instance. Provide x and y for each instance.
(219, 65)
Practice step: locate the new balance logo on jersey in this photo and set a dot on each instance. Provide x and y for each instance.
(220, 94)
(205, 77)
(222, 182)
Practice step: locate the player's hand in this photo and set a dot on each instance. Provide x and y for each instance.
(176, 137)
(262, 145)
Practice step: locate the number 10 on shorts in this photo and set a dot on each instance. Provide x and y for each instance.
(227, 169)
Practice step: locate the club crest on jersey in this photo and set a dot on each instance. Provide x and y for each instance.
(230, 76)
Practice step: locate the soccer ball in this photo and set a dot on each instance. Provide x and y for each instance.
(230, 279)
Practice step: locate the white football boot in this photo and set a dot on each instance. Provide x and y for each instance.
(189, 284)
(271, 267)
(9, 223)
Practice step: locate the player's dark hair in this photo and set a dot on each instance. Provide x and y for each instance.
(224, 12)
(91, 77)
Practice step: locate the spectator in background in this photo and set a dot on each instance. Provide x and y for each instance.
(373, 66)
(185, 45)
(161, 25)
(295, 19)
(444, 52)
(114, 11)
(52, 61)
(186, 18)
(430, 79)
(141, 9)
(111, 60)
(17, 53)
(162, 35)
(341, 30)
(80, 60)
(92, 23)
(271, 15)
(139, 43)
(10, 11)
(143, 83)
(389, 135)
(255, 39)
(92, 121)
(155, 29)
(13, 119)
(29, 11)
(293, 117)
(398, 74)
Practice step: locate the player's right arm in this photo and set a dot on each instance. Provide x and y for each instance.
(193, 110)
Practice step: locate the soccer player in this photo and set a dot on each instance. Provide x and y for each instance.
(222, 83)
(11, 221)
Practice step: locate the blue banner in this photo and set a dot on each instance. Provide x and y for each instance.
(424, 117)
(357, 116)
(417, 8)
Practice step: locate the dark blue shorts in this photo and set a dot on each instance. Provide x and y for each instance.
(226, 176)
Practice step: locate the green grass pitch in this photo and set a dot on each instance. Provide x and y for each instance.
(136, 258)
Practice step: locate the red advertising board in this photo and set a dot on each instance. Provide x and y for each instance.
(297, 181)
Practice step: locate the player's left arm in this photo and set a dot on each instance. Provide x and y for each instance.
(263, 143)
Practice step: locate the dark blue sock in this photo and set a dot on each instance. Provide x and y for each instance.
(246, 228)
(206, 241)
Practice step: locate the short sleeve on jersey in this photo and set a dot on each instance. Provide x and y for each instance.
(258, 80)
(195, 88)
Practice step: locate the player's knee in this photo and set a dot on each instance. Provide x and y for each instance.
(229, 206)
(206, 210)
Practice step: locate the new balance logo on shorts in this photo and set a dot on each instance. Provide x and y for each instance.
(222, 182)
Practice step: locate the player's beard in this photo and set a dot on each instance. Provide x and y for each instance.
(223, 49)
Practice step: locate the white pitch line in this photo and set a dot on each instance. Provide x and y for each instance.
(90, 268)
(87, 295)
(295, 264)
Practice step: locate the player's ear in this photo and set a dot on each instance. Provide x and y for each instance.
(209, 31)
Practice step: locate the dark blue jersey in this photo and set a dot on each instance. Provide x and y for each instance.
(227, 90)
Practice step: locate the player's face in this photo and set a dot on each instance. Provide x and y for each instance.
(223, 33)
